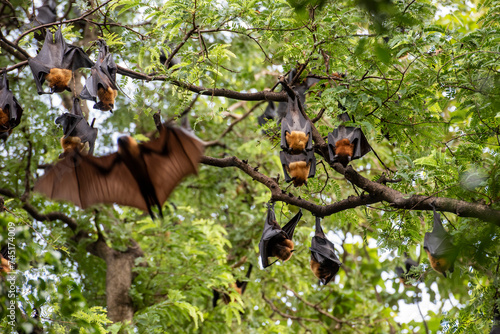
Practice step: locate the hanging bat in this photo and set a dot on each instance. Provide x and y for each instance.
(439, 248)
(324, 263)
(47, 13)
(299, 167)
(138, 175)
(164, 54)
(102, 82)
(10, 110)
(405, 275)
(347, 143)
(268, 115)
(296, 131)
(55, 63)
(239, 286)
(277, 241)
(77, 130)
(5, 265)
(496, 318)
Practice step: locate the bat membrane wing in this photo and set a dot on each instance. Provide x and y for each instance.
(289, 228)
(9, 105)
(170, 158)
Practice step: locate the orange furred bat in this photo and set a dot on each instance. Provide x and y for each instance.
(70, 144)
(10, 110)
(344, 150)
(298, 171)
(439, 247)
(58, 79)
(276, 241)
(297, 141)
(138, 175)
(107, 98)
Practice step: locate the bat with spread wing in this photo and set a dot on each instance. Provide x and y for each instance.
(277, 241)
(56, 62)
(102, 82)
(298, 167)
(10, 110)
(77, 130)
(138, 175)
(324, 263)
(439, 247)
(296, 135)
(239, 286)
(347, 143)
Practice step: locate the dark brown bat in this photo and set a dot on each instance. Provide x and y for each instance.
(76, 129)
(10, 110)
(277, 241)
(138, 175)
(298, 167)
(324, 263)
(239, 286)
(347, 143)
(296, 134)
(439, 247)
(102, 82)
(56, 62)
(404, 274)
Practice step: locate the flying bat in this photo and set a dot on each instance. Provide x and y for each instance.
(138, 175)
(10, 110)
(347, 143)
(277, 241)
(239, 286)
(296, 131)
(439, 248)
(298, 167)
(404, 274)
(76, 129)
(324, 263)
(56, 62)
(102, 82)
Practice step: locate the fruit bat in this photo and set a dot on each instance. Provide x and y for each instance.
(138, 175)
(277, 241)
(347, 143)
(496, 319)
(55, 63)
(46, 14)
(439, 248)
(76, 129)
(239, 286)
(405, 275)
(10, 110)
(268, 115)
(324, 263)
(102, 82)
(296, 131)
(5, 264)
(298, 167)
(164, 54)
(300, 89)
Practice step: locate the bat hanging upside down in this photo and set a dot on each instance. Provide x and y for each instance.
(324, 262)
(297, 141)
(58, 79)
(344, 150)
(138, 175)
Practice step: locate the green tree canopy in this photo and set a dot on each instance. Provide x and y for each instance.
(420, 78)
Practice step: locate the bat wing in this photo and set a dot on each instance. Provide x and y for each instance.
(321, 248)
(170, 158)
(89, 91)
(361, 145)
(438, 242)
(243, 285)
(8, 103)
(69, 122)
(294, 121)
(86, 180)
(289, 228)
(271, 229)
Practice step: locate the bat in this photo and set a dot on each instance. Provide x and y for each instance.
(496, 318)
(277, 241)
(138, 175)
(405, 275)
(10, 110)
(439, 248)
(164, 54)
(77, 130)
(300, 89)
(324, 263)
(102, 82)
(5, 265)
(239, 286)
(46, 14)
(268, 115)
(55, 63)
(299, 167)
(296, 131)
(347, 143)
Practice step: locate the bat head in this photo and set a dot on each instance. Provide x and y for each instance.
(282, 249)
(298, 171)
(58, 80)
(128, 145)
